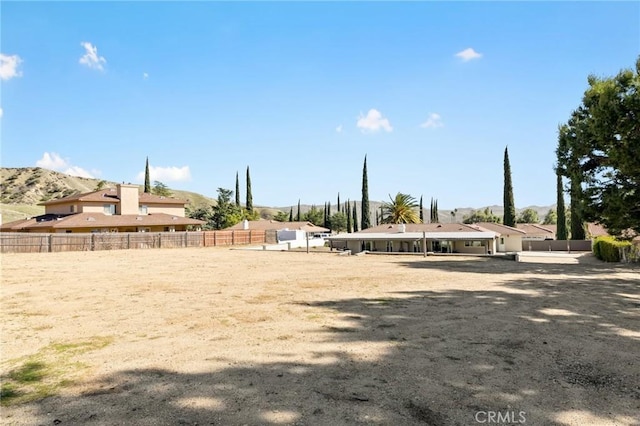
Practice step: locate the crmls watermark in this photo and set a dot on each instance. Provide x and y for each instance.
(501, 417)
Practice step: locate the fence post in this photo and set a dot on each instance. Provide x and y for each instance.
(233, 238)
(159, 240)
(93, 242)
(186, 243)
(50, 242)
(215, 241)
(250, 240)
(128, 241)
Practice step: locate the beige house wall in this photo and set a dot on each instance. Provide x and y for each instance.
(511, 242)
(94, 207)
(128, 195)
(61, 209)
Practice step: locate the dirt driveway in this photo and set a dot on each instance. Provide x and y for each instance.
(227, 337)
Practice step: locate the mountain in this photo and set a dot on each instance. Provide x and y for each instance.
(22, 189)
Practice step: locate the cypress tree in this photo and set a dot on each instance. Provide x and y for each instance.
(346, 209)
(377, 218)
(355, 217)
(421, 211)
(339, 206)
(298, 216)
(366, 214)
(249, 205)
(237, 190)
(561, 233)
(436, 217)
(577, 223)
(291, 214)
(329, 209)
(431, 211)
(509, 218)
(147, 179)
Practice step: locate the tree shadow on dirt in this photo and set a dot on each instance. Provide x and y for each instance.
(540, 349)
(487, 265)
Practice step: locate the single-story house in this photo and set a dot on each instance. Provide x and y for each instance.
(419, 237)
(509, 238)
(120, 209)
(536, 231)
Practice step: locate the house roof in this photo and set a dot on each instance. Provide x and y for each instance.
(534, 228)
(472, 235)
(98, 220)
(498, 228)
(267, 225)
(390, 228)
(596, 230)
(111, 195)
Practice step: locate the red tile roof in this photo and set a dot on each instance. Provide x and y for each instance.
(111, 195)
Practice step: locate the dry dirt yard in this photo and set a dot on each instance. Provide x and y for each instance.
(230, 337)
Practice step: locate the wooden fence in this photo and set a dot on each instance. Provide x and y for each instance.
(15, 242)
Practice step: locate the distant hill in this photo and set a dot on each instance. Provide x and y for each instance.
(22, 189)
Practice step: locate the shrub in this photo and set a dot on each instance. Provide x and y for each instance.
(609, 249)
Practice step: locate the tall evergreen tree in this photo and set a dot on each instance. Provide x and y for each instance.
(431, 206)
(366, 214)
(377, 218)
(291, 214)
(561, 212)
(355, 217)
(577, 222)
(249, 204)
(436, 216)
(329, 210)
(237, 190)
(299, 215)
(147, 179)
(421, 211)
(347, 211)
(509, 218)
(339, 205)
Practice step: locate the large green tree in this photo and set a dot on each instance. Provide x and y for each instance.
(401, 209)
(161, 189)
(338, 222)
(365, 213)
(314, 215)
(482, 216)
(249, 203)
(225, 212)
(551, 218)
(528, 216)
(509, 218)
(599, 149)
(147, 178)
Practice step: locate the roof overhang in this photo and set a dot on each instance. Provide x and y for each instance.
(412, 236)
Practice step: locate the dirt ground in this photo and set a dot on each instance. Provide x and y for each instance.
(230, 337)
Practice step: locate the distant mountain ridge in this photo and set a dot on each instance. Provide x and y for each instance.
(22, 189)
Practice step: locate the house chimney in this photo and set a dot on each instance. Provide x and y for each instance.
(128, 195)
(245, 224)
(402, 227)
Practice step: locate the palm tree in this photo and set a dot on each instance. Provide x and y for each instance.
(401, 209)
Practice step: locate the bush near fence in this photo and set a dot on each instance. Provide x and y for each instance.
(611, 250)
(16, 242)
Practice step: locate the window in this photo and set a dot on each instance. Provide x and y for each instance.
(142, 229)
(501, 240)
(143, 209)
(109, 209)
(72, 208)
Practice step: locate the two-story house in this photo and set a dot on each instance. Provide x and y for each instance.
(120, 209)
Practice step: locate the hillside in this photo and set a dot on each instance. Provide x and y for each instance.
(22, 189)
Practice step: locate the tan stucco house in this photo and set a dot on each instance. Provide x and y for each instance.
(418, 238)
(120, 209)
(509, 239)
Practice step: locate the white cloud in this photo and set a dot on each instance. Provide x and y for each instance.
(145, 75)
(167, 174)
(53, 161)
(433, 121)
(373, 122)
(339, 129)
(91, 58)
(468, 54)
(9, 66)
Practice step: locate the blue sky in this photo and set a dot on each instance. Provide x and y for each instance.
(431, 92)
